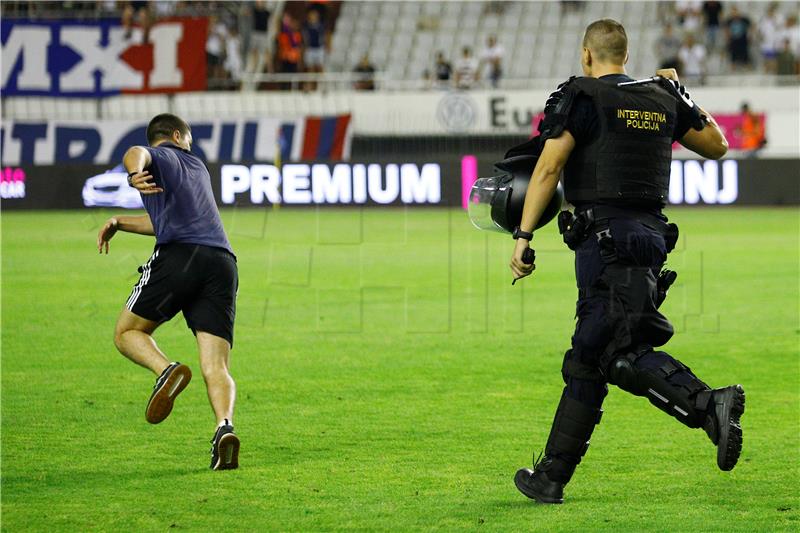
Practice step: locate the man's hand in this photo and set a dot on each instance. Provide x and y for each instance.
(106, 233)
(518, 266)
(671, 82)
(141, 182)
(668, 73)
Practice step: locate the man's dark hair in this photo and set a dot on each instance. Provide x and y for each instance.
(607, 40)
(162, 126)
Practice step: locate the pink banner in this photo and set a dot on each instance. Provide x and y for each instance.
(731, 126)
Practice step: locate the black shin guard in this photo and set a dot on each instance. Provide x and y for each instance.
(569, 438)
(667, 383)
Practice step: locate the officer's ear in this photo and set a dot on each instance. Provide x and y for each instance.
(626, 59)
(586, 62)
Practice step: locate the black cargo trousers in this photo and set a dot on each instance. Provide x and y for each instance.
(618, 327)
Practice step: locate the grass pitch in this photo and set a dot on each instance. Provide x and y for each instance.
(389, 378)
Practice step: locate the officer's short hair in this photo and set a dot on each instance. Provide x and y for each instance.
(607, 40)
(162, 126)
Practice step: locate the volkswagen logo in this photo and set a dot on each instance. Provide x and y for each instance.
(456, 112)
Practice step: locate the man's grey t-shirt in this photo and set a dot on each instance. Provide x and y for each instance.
(186, 211)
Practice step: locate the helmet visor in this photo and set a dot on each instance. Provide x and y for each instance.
(486, 193)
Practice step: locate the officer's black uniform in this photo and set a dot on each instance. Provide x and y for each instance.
(617, 177)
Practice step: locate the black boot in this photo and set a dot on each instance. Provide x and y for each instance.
(536, 485)
(722, 425)
(566, 445)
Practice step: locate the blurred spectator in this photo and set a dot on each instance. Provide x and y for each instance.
(215, 49)
(139, 13)
(751, 131)
(687, 8)
(568, 6)
(787, 62)
(315, 42)
(769, 33)
(466, 69)
(492, 56)
(321, 7)
(792, 33)
(260, 53)
(290, 46)
(692, 56)
(443, 70)
(494, 7)
(667, 47)
(366, 78)
(737, 29)
(161, 8)
(690, 16)
(712, 12)
(233, 55)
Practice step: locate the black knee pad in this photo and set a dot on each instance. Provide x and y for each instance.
(622, 373)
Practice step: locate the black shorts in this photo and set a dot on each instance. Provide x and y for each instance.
(201, 281)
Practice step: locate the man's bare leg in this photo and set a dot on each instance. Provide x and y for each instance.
(133, 338)
(214, 358)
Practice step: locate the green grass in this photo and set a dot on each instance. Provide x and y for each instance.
(389, 378)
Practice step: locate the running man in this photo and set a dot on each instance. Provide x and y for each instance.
(192, 269)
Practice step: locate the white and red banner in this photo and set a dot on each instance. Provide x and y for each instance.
(101, 58)
(42, 142)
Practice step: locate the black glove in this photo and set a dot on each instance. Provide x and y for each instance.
(682, 96)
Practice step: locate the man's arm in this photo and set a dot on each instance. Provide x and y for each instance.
(136, 160)
(541, 188)
(131, 224)
(710, 142)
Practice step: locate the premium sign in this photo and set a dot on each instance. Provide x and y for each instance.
(332, 184)
(99, 58)
(376, 183)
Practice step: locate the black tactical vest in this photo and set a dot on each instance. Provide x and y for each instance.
(629, 163)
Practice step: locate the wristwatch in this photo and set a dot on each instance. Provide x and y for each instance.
(130, 175)
(519, 234)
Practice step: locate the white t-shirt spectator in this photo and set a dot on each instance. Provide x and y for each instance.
(216, 39)
(233, 57)
(466, 72)
(792, 33)
(693, 59)
(769, 32)
(692, 22)
(688, 5)
(495, 52)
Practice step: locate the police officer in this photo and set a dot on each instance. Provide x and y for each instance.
(612, 140)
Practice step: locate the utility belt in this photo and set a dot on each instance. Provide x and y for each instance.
(576, 228)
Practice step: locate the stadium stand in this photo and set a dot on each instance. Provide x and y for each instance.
(542, 39)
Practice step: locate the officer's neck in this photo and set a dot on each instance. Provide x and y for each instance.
(604, 69)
